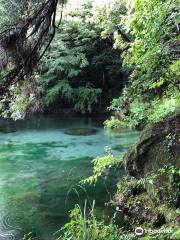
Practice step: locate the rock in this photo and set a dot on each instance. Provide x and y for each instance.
(26, 197)
(152, 203)
(157, 147)
(81, 131)
(138, 209)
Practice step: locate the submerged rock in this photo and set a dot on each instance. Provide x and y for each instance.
(157, 147)
(26, 197)
(81, 131)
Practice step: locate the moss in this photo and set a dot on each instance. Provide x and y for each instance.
(169, 213)
(154, 150)
(150, 202)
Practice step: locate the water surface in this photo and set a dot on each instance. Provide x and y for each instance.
(41, 165)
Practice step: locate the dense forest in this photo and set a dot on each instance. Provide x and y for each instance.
(118, 58)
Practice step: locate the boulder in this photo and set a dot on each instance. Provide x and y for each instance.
(158, 146)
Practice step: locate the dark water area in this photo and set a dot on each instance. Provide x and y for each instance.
(42, 161)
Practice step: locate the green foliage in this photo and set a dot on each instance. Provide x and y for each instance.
(22, 100)
(154, 111)
(84, 97)
(18, 103)
(162, 107)
(164, 190)
(140, 111)
(101, 165)
(128, 183)
(84, 225)
(147, 34)
(28, 236)
(17, 107)
(62, 88)
(108, 17)
(153, 26)
(65, 61)
(113, 124)
(172, 174)
(157, 195)
(79, 62)
(11, 11)
(115, 104)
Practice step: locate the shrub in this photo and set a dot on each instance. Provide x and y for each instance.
(113, 124)
(100, 165)
(85, 226)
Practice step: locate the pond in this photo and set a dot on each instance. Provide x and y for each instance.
(42, 161)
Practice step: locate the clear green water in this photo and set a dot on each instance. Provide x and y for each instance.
(39, 164)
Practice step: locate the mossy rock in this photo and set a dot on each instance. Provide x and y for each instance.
(154, 149)
(81, 131)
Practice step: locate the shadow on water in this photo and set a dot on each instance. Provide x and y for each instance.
(40, 170)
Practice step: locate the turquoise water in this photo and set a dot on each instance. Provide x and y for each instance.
(41, 165)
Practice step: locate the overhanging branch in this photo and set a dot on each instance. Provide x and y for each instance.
(23, 45)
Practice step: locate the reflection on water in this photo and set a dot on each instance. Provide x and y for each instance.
(40, 164)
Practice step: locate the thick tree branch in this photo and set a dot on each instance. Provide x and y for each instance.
(23, 45)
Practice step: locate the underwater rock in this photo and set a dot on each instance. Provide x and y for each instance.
(81, 131)
(27, 197)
